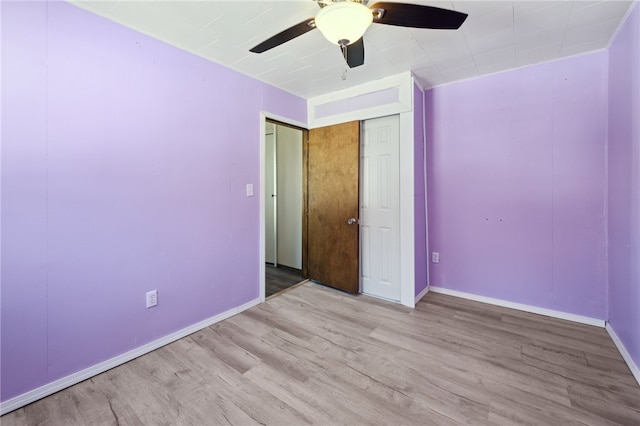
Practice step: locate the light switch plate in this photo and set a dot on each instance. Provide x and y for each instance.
(249, 190)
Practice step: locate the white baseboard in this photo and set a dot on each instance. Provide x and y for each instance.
(65, 382)
(421, 294)
(623, 351)
(521, 307)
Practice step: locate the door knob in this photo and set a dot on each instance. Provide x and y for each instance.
(352, 221)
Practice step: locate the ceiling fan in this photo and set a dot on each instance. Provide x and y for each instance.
(344, 22)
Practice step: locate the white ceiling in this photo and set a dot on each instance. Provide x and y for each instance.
(497, 35)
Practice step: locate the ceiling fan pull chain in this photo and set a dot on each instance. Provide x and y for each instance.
(346, 63)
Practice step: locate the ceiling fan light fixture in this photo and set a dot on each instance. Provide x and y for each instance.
(344, 23)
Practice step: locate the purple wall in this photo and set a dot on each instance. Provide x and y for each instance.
(124, 165)
(516, 185)
(420, 218)
(624, 184)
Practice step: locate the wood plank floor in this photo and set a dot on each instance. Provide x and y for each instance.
(317, 356)
(280, 278)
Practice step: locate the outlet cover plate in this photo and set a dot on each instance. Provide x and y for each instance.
(152, 298)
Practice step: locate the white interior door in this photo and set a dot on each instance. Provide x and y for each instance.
(270, 251)
(289, 199)
(380, 208)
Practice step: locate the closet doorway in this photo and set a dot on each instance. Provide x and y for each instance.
(283, 206)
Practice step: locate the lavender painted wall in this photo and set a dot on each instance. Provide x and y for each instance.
(420, 214)
(124, 165)
(624, 184)
(516, 185)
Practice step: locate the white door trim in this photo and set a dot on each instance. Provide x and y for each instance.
(378, 98)
(407, 228)
(273, 190)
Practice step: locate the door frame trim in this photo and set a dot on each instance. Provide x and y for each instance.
(407, 211)
(275, 201)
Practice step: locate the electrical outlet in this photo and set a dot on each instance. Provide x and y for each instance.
(249, 190)
(152, 298)
(435, 257)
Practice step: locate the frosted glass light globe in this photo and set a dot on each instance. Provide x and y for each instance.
(344, 23)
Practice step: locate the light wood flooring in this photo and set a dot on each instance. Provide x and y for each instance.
(317, 356)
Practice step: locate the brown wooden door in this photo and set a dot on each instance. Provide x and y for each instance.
(333, 158)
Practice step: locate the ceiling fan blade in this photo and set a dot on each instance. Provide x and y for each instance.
(354, 54)
(284, 36)
(416, 16)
